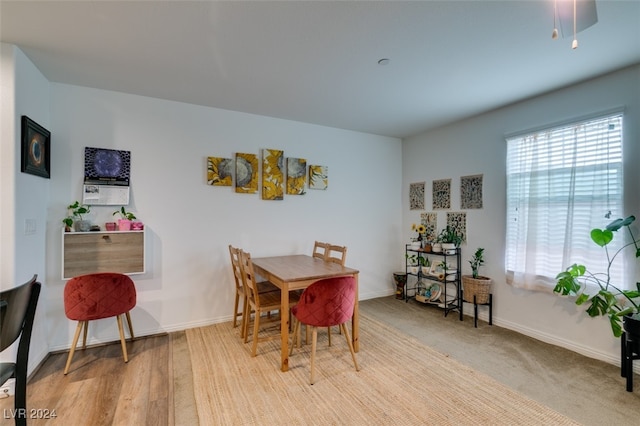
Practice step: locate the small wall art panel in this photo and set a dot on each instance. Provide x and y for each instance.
(296, 175)
(458, 222)
(36, 147)
(471, 192)
(219, 171)
(246, 173)
(442, 194)
(272, 174)
(416, 196)
(430, 222)
(318, 177)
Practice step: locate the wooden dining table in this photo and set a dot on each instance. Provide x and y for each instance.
(296, 272)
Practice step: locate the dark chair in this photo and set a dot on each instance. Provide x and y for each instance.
(630, 351)
(97, 296)
(17, 311)
(325, 303)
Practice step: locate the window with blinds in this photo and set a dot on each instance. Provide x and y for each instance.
(561, 183)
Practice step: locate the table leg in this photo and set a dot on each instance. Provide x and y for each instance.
(284, 327)
(355, 323)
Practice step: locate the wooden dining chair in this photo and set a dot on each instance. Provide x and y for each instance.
(336, 254)
(260, 303)
(325, 303)
(241, 292)
(320, 250)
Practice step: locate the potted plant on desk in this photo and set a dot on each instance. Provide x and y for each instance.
(75, 219)
(124, 223)
(476, 285)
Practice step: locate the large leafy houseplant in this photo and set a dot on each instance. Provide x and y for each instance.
(608, 299)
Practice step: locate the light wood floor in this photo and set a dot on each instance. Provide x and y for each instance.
(155, 387)
(101, 389)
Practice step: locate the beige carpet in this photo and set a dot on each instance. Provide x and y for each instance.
(401, 382)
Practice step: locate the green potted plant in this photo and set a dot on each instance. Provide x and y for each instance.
(476, 285)
(424, 264)
(412, 261)
(124, 223)
(449, 238)
(596, 289)
(75, 218)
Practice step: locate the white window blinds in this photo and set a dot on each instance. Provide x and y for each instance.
(561, 183)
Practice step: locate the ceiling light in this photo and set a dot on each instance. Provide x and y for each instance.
(573, 16)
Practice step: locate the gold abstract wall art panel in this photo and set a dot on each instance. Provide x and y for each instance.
(296, 175)
(318, 177)
(219, 171)
(246, 173)
(272, 174)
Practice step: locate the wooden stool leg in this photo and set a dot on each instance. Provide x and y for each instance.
(295, 336)
(73, 346)
(122, 341)
(344, 330)
(314, 341)
(130, 326)
(84, 336)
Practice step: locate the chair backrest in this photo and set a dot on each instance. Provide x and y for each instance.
(327, 302)
(235, 266)
(100, 295)
(17, 310)
(320, 250)
(249, 278)
(336, 254)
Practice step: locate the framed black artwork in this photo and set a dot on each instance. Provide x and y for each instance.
(36, 145)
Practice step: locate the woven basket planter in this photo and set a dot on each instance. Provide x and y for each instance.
(479, 287)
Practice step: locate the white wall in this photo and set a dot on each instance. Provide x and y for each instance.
(477, 146)
(190, 224)
(25, 91)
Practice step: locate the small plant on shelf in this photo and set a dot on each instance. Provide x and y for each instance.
(476, 284)
(476, 261)
(124, 214)
(77, 210)
(449, 235)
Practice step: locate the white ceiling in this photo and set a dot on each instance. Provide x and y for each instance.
(317, 61)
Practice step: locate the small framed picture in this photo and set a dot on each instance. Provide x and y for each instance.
(36, 144)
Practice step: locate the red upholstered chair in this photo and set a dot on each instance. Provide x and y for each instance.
(325, 303)
(97, 296)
